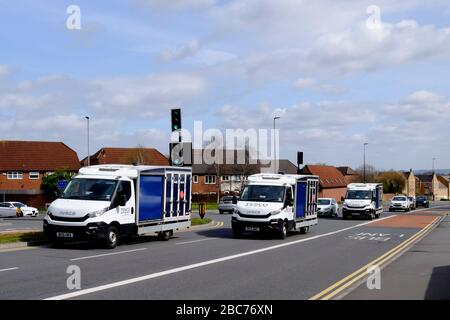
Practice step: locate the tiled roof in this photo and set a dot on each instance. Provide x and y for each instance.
(287, 167)
(143, 156)
(37, 156)
(224, 168)
(425, 177)
(329, 176)
(347, 171)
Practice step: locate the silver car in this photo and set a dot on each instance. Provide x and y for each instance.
(327, 207)
(226, 205)
(17, 209)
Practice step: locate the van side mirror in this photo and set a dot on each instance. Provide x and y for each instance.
(121, 200)
(235, 201)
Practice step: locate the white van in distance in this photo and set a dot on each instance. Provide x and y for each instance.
(363, 200)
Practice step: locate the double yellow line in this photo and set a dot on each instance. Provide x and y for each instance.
(343, 284)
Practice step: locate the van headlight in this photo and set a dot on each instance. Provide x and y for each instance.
(274, 213)
(97, 213)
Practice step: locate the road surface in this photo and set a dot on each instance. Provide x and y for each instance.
(209, 264)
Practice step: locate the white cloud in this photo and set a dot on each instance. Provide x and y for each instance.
(400, 133)
(4, 70)
(176, 4)
(187, 50)
(308, 84)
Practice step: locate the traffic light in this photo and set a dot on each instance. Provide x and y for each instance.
(181, 154)
(299, 158)
(176, 119)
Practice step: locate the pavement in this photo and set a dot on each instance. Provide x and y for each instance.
(209, 264)
(422, 273)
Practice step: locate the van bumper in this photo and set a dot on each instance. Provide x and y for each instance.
(356, 213)
(273, 225)
(92, 231)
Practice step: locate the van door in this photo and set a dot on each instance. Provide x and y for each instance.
(300, 199)
(127, 212)
(151, 189)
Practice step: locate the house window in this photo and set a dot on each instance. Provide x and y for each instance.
(210, 179)
(15, 175)
(225, 178)
(195, 179)
(33, 175)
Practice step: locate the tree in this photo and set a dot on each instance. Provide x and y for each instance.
(393, 182)
(371, 173)
(50, 181)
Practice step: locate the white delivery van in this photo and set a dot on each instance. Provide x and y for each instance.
(106, 202)
(276, 203)
(363, 200)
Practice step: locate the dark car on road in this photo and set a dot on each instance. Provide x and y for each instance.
(422, 201)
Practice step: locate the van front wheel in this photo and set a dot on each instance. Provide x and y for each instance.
(112, 237)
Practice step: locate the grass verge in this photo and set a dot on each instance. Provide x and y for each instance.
(198, 221)
(21, 237)
(209, 206)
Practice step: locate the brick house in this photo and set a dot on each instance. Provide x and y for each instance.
(208, 179)
(410, 183)
(433, 186)
(332, 183)
(24, 163)
(141, 156)
(443, 190)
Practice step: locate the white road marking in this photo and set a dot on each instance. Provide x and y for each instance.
(9, 269)
(194, 241)
(107, 254)
(5, 224)
(200, 264)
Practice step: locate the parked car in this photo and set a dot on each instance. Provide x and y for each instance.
(412, 203)
(400, 203)
(226, 204)
(327, 207)
(18, 209)
(422, 201)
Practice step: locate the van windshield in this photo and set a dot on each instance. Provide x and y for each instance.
(263, 193)
(359, 194)
(90, 189)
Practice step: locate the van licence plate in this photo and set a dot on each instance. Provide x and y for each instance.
(251, 229)
(64, 235)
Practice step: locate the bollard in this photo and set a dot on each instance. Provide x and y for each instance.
(202, 209)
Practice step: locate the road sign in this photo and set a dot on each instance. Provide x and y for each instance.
(62, 184)
(180, 154)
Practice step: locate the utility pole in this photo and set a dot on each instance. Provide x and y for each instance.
(275, 145)
(364, 169)
(88, 152)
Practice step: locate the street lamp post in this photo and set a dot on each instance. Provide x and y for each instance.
(88, 152)
(274, 145)
(364, 169)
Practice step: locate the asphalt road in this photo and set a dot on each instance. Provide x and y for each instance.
(208, 264)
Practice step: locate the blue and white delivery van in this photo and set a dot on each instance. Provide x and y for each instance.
(106, 202)
(276, 203)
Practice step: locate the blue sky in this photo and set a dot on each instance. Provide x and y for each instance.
(233, 64)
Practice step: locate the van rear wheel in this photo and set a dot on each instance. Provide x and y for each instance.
(165, 235)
